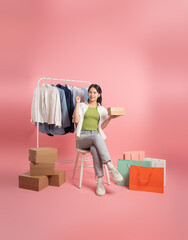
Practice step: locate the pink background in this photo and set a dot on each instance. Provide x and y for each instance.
(137, 51)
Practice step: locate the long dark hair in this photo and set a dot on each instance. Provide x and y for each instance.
(99, 90)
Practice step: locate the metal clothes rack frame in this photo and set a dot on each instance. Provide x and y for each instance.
(38, 92)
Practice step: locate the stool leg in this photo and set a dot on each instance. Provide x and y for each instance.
(107, 174)
(75, 165)
(81, 170)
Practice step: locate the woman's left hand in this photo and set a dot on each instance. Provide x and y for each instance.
(113, 116)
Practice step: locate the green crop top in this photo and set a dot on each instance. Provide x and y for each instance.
(91, 119)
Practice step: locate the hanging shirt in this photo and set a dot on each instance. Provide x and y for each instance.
(85, 93)
(80, 93)
(74, 93)
(64, 111)
(51, 129)
(67, 108)
(49, 105)
(70, 107)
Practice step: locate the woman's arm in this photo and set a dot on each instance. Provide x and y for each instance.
(106, 122)
(76, 117)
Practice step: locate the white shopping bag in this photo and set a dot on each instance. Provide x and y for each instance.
(158, 163)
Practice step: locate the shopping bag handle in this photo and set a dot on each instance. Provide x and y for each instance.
(144, 181)
(128, 165)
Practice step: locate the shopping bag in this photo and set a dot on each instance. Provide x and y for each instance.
(146, 179)
(134, 155)
(158, 163)
(123, 168)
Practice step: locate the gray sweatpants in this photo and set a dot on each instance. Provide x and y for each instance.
(94, 141)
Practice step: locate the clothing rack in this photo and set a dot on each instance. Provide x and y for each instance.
(38, 92)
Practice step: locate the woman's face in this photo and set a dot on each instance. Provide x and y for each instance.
(93, 95)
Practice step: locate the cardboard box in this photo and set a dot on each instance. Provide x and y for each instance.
(119, 111)
(42, 155)
(40, 169)
(58, 178)
(35, 183)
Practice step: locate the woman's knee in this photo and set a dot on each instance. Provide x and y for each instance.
(97, 138)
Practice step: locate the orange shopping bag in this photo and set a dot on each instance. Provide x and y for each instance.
(148, 179)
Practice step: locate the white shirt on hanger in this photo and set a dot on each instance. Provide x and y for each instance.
(49, 105)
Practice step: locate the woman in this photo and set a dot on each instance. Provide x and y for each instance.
(92, 118)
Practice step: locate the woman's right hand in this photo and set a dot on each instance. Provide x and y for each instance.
(77, 98)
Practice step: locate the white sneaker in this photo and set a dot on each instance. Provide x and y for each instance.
(115, 175)
(100, 191)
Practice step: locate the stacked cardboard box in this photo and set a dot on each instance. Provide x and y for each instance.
(42, 170)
